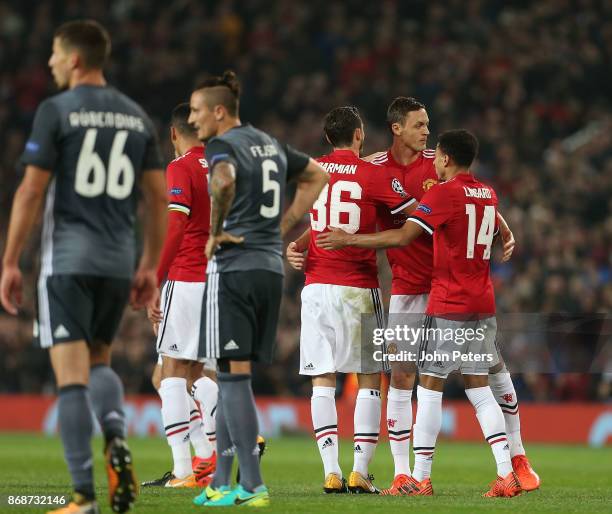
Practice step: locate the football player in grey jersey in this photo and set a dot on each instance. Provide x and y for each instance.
(248, 172)
(90, 149)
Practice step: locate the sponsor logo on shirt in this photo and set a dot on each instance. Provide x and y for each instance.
(176, 191)
(396, 185)
(424, 208)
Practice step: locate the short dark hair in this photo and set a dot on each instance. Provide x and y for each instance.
(399, 109)
(179, 120)
(340, 125)
(89, 38)
(460, 145)
(224, 90)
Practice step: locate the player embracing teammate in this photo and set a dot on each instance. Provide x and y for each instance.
(341, 288)
(412, 274)
(462, 214)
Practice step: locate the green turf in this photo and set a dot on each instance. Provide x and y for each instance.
(575, 478)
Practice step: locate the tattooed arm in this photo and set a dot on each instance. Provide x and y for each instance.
(222, 191)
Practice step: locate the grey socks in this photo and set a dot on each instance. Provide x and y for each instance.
(106, 391)
(238, 407)
(225, 447)
(76, 430)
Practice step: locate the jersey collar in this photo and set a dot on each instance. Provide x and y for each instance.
(344, 153)
(405, 168)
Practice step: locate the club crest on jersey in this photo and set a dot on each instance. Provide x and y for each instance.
(176, 191)
(396, 185)
(429, 183)
(424, 208)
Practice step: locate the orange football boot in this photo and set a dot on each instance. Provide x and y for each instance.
(400, 486)
(527, 477)
(504, 487)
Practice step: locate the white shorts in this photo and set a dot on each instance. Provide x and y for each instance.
(331, 334)
(406, 312)
(178, 335)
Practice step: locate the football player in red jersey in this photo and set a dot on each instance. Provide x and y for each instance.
(461, 213)
(411, 268)
(177, 323)
(342, 286)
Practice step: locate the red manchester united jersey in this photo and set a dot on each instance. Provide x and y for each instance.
(187, 182)
(462, 216)
(349, 201)
(411, 265)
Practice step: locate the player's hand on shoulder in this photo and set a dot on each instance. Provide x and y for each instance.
(144, 286)
(335, 239)
(295, 258)
(214, 242)
(11, 289)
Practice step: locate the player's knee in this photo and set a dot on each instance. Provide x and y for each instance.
(498, 368)
(472, 381)
(402, 379)
(99, 353)
(175, 368)
(156, 377)
(369, 381)
(326, 380)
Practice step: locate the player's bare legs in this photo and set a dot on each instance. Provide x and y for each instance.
(429, 422)
(325, 426)
(203, 386)
(501, 384)
(178, 409)
(204, 445)
(70, 362)
(399, 422)
(367, 428)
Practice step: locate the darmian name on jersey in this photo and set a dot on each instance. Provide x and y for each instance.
(480, 192)
(101, 119)
(346, 169)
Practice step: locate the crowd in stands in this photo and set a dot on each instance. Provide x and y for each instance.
(531, 79)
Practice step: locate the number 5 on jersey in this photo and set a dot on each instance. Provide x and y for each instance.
(92, 178)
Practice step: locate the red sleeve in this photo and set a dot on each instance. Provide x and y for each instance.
(385, 188)
(172, 243)
(178, 181)
(435, 209)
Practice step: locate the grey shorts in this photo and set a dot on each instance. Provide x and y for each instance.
(464, 346)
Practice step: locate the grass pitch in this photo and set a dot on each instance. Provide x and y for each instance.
(575, 478)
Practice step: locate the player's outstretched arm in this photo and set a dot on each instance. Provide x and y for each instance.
(507, 237)
(26, 206)
(338, 238)
(310, 183)
(154, 193)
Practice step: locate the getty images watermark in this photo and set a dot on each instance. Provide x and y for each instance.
(405, 343)
(525, 342)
